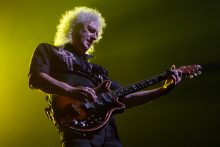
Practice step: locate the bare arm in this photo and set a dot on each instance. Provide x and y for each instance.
(139, 98)
(143, 97)
(48, 84)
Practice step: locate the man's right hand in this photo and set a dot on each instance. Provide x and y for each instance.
(48, 84)
(83, 92)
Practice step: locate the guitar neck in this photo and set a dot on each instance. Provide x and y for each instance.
(131, 88)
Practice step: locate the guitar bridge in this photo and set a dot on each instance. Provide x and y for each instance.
(72, 109)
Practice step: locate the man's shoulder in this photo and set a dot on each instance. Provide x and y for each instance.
(45, 45)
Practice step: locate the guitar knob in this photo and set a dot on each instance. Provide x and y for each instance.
(82, 124)
(75, 122)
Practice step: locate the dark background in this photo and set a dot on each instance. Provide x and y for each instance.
(142, 38)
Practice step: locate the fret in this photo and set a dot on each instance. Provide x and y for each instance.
(123, 91)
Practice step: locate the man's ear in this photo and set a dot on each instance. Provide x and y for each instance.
(76, 29)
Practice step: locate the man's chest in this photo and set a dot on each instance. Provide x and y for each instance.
(63, 60)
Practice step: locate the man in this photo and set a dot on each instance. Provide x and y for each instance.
(63, 69)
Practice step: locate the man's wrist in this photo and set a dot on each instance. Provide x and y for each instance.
(67, 89)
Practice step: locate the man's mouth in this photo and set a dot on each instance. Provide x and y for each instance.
(89, 41)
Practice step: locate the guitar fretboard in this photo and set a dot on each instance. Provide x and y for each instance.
(123, 91)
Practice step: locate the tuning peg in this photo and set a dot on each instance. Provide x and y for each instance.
(191, 76)
(199, 72)
(199, 66)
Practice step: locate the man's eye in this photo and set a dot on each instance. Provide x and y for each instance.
(91, 30)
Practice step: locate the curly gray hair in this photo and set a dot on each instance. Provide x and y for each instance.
(79, 15)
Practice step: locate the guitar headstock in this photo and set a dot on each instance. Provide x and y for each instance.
(191, 71)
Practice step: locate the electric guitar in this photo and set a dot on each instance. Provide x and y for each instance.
(84, 116)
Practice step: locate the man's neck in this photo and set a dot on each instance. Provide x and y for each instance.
(77, 50)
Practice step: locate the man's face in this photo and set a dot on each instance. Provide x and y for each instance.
(85, 37)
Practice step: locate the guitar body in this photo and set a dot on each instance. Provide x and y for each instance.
(84, 116)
